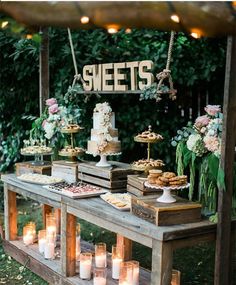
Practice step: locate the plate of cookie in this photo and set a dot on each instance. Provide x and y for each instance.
(166, 181)
(119, 201)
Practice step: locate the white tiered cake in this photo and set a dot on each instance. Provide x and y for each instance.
(104, 136)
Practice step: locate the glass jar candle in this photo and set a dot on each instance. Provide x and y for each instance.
(41, 240)
(100, 255)
(85, 265)
(49, 248)
(51, 226)
(100, 276)
(33, 226)
(126, 273)
(78, 246)
(28, 235)
(117, 258)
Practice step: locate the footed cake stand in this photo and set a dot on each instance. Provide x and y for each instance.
(103, 159)
(166, 196)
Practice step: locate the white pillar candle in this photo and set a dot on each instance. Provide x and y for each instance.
(99, 281)
(85, 269)
(28, 239)
(101, 260)
(116, 267)
(49, 249)
(78, 247)
(135, 276)
(41, 244)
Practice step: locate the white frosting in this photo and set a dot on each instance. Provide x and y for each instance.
(98, 138)
(98, 120)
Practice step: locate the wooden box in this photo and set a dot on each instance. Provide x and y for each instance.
(161, 214)
(112, 178)
(27, 167)
(65, 170)
(135, 186)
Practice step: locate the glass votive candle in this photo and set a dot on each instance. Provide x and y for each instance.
(85, 265)
(117, 258)
(100, 255)
(100, 276)
(41, 240)
(28, 235)
(33, 226)
(49, 247)
(126, 273)
(78, 247)
(51, 226)
(135, 266)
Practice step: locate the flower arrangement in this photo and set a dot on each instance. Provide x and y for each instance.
(198, 148)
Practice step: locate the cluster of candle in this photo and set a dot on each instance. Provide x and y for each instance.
(126, 272)
(46, 237)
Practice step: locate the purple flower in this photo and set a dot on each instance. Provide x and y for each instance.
(51, 101)
(53, 109)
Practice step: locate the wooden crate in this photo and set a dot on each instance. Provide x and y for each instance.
(66, 170)
(112, 178)
(161, 214)
(135, 186)
(27, 167)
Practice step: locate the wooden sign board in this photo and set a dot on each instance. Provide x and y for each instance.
(117, 77)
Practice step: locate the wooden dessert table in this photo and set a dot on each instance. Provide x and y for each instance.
(162, 240)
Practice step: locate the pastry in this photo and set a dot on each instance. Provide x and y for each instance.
(169, 175)
(148, 136)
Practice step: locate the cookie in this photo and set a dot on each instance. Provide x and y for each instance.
(164, 179)
(161, 183)
(151, 180)
(169, 174)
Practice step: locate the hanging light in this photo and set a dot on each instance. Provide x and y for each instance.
(113, 29)
(84, 20)
(128, 31)
(4, 24)
(195, 35)
(29, 36)
(175, 18)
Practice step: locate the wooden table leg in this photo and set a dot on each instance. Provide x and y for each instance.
(162, 259)
(120, 240)
(68, 242)
(46, 210)
(10, 214)
(58, 220)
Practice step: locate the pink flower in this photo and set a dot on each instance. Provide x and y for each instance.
(211, 143)
(53, 109)
(51, 101)
(43, 123)
(212, 110)
(202, 121)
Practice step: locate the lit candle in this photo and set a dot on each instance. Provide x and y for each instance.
(99, 281)
(85, 265)
(126, 273)
(49, 247)
(135, 272)
(28, 236)
(41, 240)
(51, 228)
(100, 255)
(100, 275)
(117, 258)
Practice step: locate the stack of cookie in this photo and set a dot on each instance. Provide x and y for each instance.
(153, 176)
(160, 178)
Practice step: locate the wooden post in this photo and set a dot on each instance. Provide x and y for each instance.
(58, 220)
(120, 240)
(162, 259)
(68, 242)
(10, 214)
(222, 259)
(43, 70)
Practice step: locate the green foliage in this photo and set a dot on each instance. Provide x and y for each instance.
(196, 64)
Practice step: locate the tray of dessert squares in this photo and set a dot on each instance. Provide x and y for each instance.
(120, 201)
(39, 179)
(75, 190)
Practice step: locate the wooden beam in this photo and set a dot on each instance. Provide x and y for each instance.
(10, 213)
(46, 209)
(127, 243)
(44, 70)
(222, 260)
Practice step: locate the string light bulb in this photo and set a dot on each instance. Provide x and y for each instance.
(195, 35)
(29, 37)
(84, 20)
(175, 18)
(4, 24)
(112, 29)
(128, 31)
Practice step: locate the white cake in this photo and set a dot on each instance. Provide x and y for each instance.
(104, 135)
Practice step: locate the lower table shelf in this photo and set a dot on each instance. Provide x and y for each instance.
(50, 270)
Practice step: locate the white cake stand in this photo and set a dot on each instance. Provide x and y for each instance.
(103, 159)
(166, 196)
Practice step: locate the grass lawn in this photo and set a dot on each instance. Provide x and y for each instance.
(196, 264)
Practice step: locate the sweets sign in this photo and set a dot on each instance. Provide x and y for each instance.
(122, 76)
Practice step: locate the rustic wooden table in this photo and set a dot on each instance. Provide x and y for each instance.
(162, 240)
